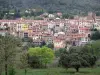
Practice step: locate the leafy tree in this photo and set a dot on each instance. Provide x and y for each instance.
(38, 18)
(24, 61)
(35, 62)
(1, 61)
(43, 43)
(50, 45)
(94, 48)
(67, 16)
(98, 13)
(8, 46)
(60, 51)
(45, 54)
(51, 11)
(95, 36)
(22, 13)
(93, 29)
(64, 6)
(77, 58)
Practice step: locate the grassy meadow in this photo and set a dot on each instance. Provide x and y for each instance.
(60, 71)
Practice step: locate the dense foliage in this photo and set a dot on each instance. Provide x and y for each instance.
(77, 58)
(95, 46)
(72, 6)
(95, 35)
(59, 52)
(40, 56)
(50, 45)
(9, 47)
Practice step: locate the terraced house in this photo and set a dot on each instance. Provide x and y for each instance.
(57, 31)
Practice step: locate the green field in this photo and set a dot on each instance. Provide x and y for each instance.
(60, 71)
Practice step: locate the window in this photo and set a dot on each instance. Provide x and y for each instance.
(57, 25)
(25, 35)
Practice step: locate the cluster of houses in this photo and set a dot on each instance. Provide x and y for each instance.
(60, 32)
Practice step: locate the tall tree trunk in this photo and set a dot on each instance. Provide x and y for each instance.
(0, 69)
(77, 69)
(25, 71)
(6, 69)
(45, 65)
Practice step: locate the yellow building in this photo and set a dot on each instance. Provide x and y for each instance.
(24, 27)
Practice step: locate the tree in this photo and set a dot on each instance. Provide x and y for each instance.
(24, 61)
(59, 52)
(35, 62)
(8, 47)
(43, 43)
(50, 45)
(94, 48)
(45, 54)
(98, 13)
(1, 62)
(38, 18)
(76, 59)
(67, 16)
(95, 36)
(1, 59)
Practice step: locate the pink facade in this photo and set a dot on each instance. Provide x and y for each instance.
(57, 31)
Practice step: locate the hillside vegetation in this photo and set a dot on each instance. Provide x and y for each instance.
(58, 5)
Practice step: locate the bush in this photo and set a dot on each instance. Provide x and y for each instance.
(35, 62)
(40, 56)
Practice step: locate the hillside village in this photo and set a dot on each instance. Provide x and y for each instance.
(49, 37)
(53, 30)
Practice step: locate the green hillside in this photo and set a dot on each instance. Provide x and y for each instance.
(60, 5)
(55, 5)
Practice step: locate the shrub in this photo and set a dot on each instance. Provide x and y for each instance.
(40, 56)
